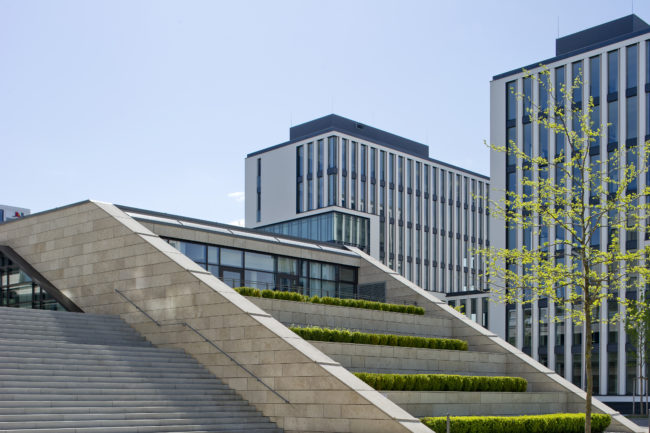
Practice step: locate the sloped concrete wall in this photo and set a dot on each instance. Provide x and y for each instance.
(539, 377)
(90, 249)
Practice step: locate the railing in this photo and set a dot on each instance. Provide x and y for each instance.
(207, 340)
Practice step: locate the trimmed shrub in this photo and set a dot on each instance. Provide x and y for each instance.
(316, 333)
(354, 303)
(442, 382)
(552, 423)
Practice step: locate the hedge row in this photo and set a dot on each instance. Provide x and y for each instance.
(344, 336)
(553, 423)
(442, 382)
(354, 303)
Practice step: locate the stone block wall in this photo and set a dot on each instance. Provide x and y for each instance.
(359, 319)
(90, 249)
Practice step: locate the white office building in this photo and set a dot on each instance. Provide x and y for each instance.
(613, 60)
(341, 181)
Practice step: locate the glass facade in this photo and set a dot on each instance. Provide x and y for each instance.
(335, 227)
(239, 268)
(18, 290)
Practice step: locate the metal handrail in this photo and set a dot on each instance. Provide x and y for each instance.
(207, 340)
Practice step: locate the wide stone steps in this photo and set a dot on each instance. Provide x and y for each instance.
(68, 372)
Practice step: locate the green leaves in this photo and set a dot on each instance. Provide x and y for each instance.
(442, 382)
(354, 303)
(553, 423)
(344, 336)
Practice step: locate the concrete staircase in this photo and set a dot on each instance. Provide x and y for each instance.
(66, 372)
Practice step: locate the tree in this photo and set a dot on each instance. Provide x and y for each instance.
(579, 193)
(637, 327)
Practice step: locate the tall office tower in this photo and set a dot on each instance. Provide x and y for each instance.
(341, 181)
(613, 61)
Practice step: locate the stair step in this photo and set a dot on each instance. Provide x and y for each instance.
(162, 416)
(114, 383)
(232, 406)
(70, 349)
(116, 395)
(88, 404)
(13, 362)
(46, 322)
(58, 314)
(31, 374)
(66, 372)
(218, 428)
(153, 423)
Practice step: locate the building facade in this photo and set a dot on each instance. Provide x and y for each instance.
(8, 213)
(341, 181)
(613, 63)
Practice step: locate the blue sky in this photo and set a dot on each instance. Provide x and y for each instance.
(155, 104)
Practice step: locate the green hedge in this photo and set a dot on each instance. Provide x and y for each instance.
(354, 303)
(345, 336)
(442, 382)
(553, 423)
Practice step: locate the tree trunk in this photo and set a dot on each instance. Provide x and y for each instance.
(589, 373)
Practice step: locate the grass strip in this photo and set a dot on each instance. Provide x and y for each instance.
(442, 382)
(316, 333)
(354, 303)
(552, 423)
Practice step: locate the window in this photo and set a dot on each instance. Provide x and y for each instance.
(647, 95)
(382, 181)
(577, 80)
(612, 72)
(560, 88)
(258, 215)
(321, 157)
(299, 175)
(373, 180)
(612, 119)
(631, 67)
(594, 77)
(409, 190)
(511, 100)
(332, 172)
(363, 160)
(353, 182)
(344, 174)
(527, 98)
(310, 176)
(391, 184)
(631, 124)
(594, 93)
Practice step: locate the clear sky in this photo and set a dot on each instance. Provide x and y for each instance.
(155, 104)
